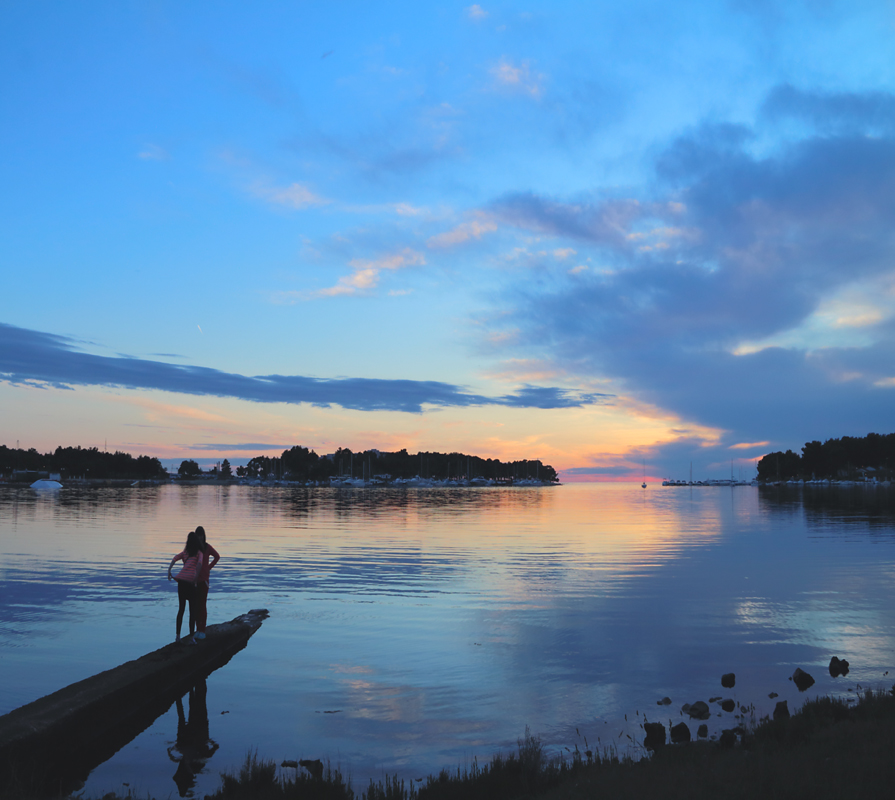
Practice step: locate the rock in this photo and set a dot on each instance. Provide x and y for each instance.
(728, 738)
(699, 710)
(293, 764)
(781, 710)
(838, 666)
(655, 735)
(728, 705)
(665, 701)
(315, 767)
(772, 695)
(728, 680)
(680, 733)
(702, 731)
(714, 699)
(802, 679)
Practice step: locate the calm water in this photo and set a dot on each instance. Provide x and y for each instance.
(412, 630)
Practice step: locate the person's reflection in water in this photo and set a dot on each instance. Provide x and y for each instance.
(193, 746)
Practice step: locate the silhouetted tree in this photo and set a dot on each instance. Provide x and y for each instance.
(189, 469)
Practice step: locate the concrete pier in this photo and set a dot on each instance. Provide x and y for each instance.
(49, 747)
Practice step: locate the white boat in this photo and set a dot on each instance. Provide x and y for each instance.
(44, 485)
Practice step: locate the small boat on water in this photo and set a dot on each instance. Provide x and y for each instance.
(44, 485)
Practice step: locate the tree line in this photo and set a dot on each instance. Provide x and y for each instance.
(305, 465)
(297, 464)
(78, 462)
(848, 457)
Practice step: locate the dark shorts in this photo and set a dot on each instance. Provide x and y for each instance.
(186, 590)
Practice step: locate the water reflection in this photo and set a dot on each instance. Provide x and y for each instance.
(844, 508)
(435, 621)
(193, 746)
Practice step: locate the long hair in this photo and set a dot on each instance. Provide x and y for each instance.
(200, 535)
(192, 544)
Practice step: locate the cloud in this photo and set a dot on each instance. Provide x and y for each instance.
(33, 358)
(608, 222)
(296, 195)
(520, 78)
(517, 369)
(749, 445)
(247, 446)
(407, 210)
(366, 272)
(476, 12)
(462, 233)
(756, 244)
(832, 111)
(152, 152)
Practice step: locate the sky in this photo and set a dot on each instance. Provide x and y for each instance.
(622, 238)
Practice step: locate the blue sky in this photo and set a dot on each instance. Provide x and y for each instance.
(596, 234)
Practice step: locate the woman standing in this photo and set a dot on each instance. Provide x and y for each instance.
(202, 586)
(193, 558)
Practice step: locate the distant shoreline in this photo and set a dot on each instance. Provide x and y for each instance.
(128, 483)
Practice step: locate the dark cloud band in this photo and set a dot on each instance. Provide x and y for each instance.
(41, 358)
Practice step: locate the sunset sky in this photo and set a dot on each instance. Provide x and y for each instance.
(613, 236)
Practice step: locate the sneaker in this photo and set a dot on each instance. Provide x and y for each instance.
(177, 638)
(200, 635)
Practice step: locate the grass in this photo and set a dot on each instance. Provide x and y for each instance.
(829, 749)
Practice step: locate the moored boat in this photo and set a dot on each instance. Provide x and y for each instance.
(45, 485)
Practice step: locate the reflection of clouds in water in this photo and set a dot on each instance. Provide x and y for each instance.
(824, 622)
(410, 717)
(441, 621)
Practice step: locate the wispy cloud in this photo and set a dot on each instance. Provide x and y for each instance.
(518, 370)
(366, 272)
(253, 447)
(476, 12)
(517, 77)
(475, 229)
(152, 152)
(296, 195)
(40, 359)
(605, 223)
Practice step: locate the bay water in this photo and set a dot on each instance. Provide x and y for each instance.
(412, 630)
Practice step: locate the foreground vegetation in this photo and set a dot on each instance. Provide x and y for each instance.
(829, 749)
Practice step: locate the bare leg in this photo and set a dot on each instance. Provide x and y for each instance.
(182, 596)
